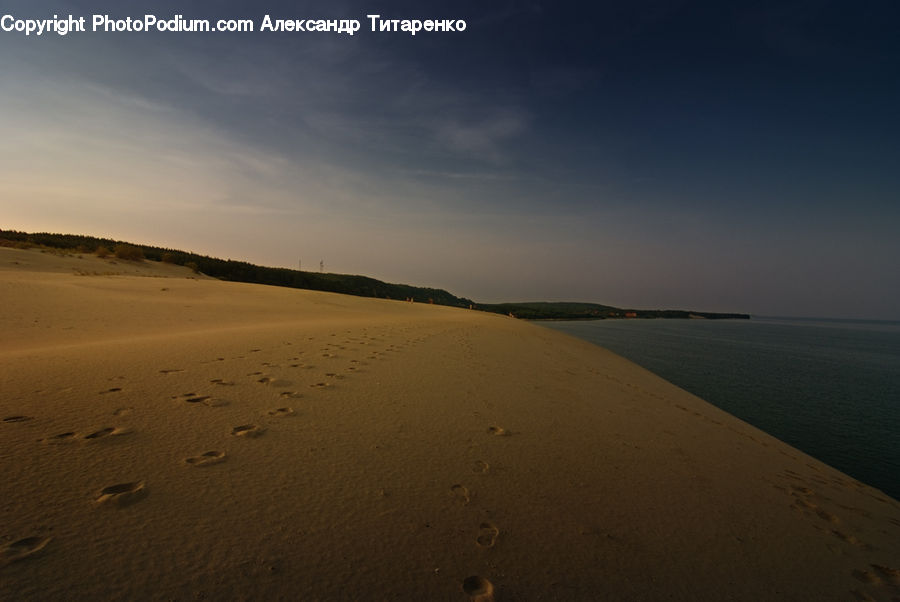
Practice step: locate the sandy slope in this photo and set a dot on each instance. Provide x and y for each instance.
(176, 438)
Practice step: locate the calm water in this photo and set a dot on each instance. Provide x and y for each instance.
(830, 388)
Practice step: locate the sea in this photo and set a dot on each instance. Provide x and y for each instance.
(830, 388)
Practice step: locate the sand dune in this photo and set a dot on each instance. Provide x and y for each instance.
(169, 437)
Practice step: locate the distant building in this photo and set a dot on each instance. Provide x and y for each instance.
(630, 314)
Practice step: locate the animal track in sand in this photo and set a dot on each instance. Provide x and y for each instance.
(112, 390)
(247, 430)
(478, 589)
(281, 412)
(290, 395)
(498, 431)
(122, 494)
(206, 458)
(17, 419)
(171, 370)
(21, 549)
(320, 386)
(224, 383)
(461, 492)
(487, 535)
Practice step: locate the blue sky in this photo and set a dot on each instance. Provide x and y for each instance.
(711, 156)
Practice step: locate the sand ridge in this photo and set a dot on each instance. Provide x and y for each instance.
(229, 441)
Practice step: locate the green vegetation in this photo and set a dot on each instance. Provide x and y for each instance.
(594, 311)
(129, 252)
(236, 271)
(552, 311)
(362, 286)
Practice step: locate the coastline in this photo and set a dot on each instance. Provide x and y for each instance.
(392, 450)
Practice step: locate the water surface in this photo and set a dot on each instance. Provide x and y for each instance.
(830, 388)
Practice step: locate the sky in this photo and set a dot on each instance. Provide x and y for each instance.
(714, 156)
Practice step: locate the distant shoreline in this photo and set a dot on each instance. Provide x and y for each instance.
(360, 286)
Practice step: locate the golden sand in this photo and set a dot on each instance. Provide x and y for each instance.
(170, 437)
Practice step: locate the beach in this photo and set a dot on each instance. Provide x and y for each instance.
(168, 436)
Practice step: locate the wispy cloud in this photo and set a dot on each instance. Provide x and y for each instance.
(484, 138)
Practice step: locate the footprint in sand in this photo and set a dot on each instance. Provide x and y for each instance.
(171, 370)
(478, 589)
(866, 577)
(827, 516)
(849, 538)
(274, 382)
(247, 430)
(282, 412)
(206, 458)
(804, 504)
(461, 492)
(487, 535)
(498, 431)
(113, 390)
(480, 466)
(22, 548)
(212, 402)
(891, 575)
(224, 383)
(109, 431)
(17, 419)
(66, 437)
(290, 394)
(197, 399)
(122, 494)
